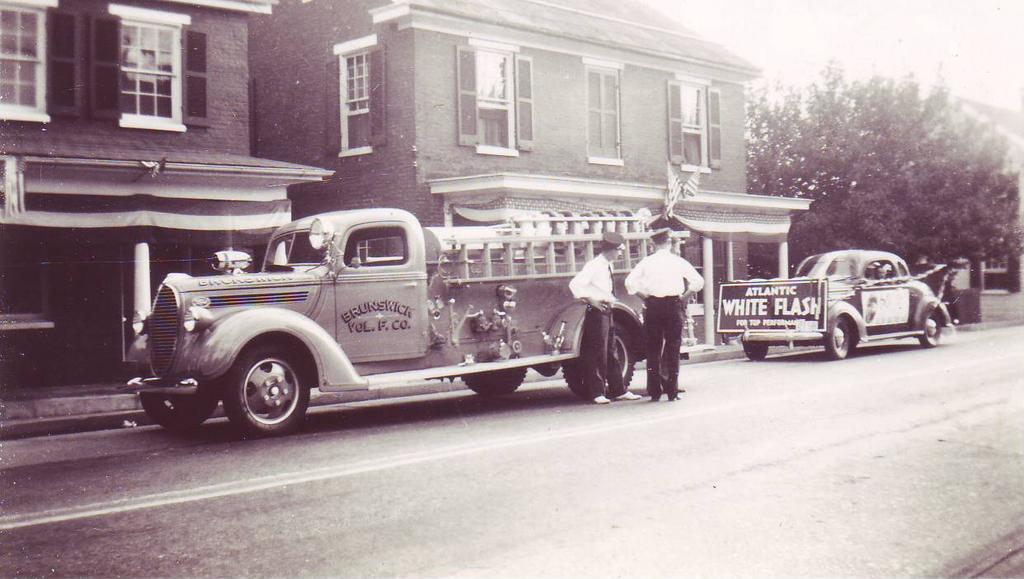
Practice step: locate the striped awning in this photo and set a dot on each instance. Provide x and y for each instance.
(101, 211)
(735, 225)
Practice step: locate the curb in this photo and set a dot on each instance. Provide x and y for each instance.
(24, 418)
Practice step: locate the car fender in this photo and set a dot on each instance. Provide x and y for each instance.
(844, 308)
(925, 307)
(220, 344)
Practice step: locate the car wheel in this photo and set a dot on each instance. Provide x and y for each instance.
(624, 361)
(755, 351)
(265, 392)
(495, 383)
(841, 338)
(932, 331)
(179, 412)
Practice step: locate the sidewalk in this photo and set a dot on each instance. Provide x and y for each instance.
(57, 410)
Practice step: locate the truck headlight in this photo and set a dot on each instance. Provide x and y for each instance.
(139, 323)
(196, 319)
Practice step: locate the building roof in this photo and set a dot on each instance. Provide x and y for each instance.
(94, 154)
(628, 24)
(258, 6)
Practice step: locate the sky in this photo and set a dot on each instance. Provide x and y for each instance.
(977, 46)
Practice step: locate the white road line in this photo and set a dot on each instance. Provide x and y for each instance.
(10, 522)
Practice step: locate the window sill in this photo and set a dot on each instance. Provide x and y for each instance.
(356, 152)
(606, 161)
(695, 169)
(500, 151)
(23, 115)
(151, 123)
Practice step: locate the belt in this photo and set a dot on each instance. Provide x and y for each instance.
(663, 298)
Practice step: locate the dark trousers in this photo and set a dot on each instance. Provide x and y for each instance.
(663, 330)
(602, 370)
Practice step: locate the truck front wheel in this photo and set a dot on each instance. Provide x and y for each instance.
(755, 351)
(179, 412)
(265, 392)
(495, 383)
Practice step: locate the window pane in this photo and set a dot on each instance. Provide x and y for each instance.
(8, 91)
(675, 138)
(594, 90)
(128, 103)
(692, 107)
(27, 73)
(692, 149)
(166, 38)
(163, 86)
(610, 100)
(9, 43)
(491, 69)
(163, 107)
(495, 127)
(610, 135)
(146, 85)
(358, 131)
(594, 131)
(147, 105)
(8, 21)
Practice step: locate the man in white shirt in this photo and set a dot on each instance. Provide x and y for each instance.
(665, 281)
(594, 285)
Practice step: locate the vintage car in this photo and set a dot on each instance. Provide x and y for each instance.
(839, 299)
(368, 300)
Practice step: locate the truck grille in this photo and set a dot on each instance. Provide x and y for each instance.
(163, 330)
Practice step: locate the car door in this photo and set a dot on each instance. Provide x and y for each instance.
(885, 301)
(381, 293)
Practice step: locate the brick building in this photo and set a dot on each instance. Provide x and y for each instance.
(478, 111)
(125, 155)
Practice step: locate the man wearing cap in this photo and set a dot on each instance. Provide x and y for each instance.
(594, 285)
(665, 281)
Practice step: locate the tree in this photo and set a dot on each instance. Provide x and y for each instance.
(887, 168)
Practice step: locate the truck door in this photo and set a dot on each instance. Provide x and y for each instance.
(381, 293)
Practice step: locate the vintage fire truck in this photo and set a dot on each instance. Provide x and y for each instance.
(367, 300)
(838, 299)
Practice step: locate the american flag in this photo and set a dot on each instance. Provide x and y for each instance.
(677, 188)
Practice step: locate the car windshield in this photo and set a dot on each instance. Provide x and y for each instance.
(807, 265)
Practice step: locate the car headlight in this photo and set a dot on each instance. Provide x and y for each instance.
(196, 318)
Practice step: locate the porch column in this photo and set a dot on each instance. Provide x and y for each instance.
(708, 260)
(784, 259)
(730, 267)
(142, 298)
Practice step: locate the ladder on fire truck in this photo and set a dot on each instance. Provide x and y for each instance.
(540, 246)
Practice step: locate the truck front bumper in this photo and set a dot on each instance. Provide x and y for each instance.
(783, 336)
(162, 385)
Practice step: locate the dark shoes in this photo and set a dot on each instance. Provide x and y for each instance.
(673, 398)
(655, 398)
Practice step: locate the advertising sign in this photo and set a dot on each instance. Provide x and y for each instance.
(780, 306)
(884, 307)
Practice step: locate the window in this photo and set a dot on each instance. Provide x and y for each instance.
(292, 250)
(376, 246)
(495, 99)
(22, 62)
(603, 114)
(150, 68)
(879, 269)
(362, 104)
(694, 125)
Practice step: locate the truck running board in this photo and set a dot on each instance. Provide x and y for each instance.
(400, 379)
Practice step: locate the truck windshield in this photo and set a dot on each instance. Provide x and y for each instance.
(807, 265)
(292, 250)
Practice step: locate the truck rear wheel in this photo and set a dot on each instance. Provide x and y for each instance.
(755, 351)
(625, 359)
(841, 338)
(179, 412)
(265, 392)
(495, 383)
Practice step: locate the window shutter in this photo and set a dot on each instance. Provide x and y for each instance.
(195, 77)
(62, 86)
(715, 127)
(105, 56)
(466, 73)
(675, 123)
(378, 98)
(333, 106)
(524, 102)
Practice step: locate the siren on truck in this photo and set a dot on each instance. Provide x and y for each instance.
(320, 234)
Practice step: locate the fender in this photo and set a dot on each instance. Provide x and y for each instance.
(925, 309)
(573, 315)
(220, 344)
(839, 308)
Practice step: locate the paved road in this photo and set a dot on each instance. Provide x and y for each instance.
(897, 462)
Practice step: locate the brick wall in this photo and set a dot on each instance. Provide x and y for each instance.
(297, 109)
(227, 102)
(560, 122)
